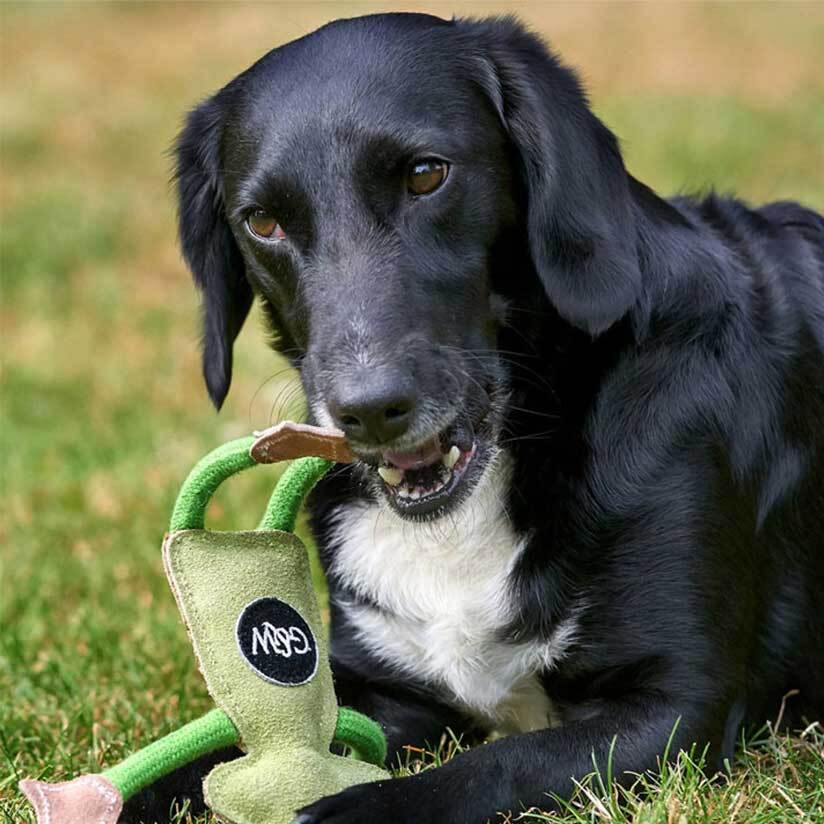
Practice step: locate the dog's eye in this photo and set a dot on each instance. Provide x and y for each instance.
(426, 175)
(264, 225)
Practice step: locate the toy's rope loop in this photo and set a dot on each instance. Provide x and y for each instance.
(204, 479)
(363, 735)
(213, 731)
(230, 459)
(294, 485)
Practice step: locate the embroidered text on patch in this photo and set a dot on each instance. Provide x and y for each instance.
(277, 642)
(283, 641)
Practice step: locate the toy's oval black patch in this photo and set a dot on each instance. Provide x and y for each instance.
(277, 643)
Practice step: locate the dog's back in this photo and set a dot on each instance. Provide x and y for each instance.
(774, 362)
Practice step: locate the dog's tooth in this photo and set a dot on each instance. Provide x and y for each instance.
(451, 458)
(414, 494)
(391, 475)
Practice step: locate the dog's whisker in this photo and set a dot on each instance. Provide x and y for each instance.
(282, 404)
(525, 410)
(265, 383)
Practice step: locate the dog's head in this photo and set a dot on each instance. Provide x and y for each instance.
(388, 186)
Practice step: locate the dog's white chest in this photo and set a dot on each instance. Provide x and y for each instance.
(443, 597)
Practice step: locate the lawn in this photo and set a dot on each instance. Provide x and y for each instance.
(103, 408)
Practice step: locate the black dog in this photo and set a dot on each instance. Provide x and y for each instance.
(590, 505)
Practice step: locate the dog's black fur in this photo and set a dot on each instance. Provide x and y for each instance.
(655, 369)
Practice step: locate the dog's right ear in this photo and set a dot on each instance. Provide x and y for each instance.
(208, 244)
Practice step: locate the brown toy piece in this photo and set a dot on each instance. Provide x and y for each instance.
(289, 440)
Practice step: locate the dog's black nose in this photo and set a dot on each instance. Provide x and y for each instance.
(375, 408)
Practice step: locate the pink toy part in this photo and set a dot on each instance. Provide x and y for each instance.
(88, 799)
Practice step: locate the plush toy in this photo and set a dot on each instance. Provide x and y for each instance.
(253, 619)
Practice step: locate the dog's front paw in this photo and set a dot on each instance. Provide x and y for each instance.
(394, 801)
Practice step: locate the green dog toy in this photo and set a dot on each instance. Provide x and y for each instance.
(247, 601)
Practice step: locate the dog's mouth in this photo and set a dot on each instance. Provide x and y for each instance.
(426, 480)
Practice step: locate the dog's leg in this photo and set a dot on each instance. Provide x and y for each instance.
(525, 771)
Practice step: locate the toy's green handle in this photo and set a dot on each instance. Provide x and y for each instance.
(230, 459)
(204, 479)
(294, 485)
(362, 735)
(211, 732)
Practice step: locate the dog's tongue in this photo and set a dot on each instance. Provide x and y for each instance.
(428, 454)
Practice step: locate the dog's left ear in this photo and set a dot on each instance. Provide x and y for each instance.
(208, 244)
(581, 227)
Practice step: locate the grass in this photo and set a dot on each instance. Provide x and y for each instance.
(775, 778)
(103, 411)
